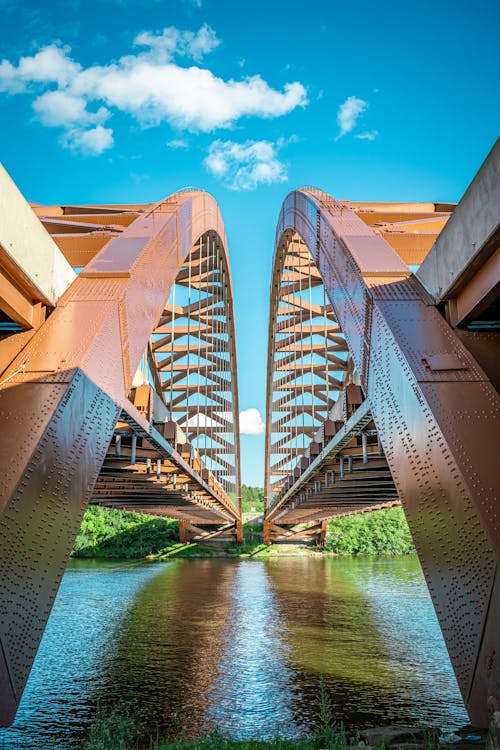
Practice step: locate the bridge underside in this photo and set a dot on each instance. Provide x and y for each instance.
(373, 400)
(121, 391)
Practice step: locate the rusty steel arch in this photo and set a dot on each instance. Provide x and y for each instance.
(421, 429)
(84, 406)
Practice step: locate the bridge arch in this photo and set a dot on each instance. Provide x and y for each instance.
(96, 400)
(426, 406)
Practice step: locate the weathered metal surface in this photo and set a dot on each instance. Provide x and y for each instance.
(437, 418)
(64, 410)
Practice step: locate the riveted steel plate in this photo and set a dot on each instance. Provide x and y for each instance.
(437, 416)
(59, 402)
(42, 515)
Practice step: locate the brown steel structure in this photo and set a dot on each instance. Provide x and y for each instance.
(124, 394)
(373, 400)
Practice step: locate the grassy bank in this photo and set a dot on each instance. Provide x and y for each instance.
(121, 728)
(114, 534)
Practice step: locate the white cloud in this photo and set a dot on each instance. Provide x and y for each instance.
(243, 166)
(147, 84)
(348, 114)
(251, 422)
(61, 109)
(90, 142)
(178, 143)
(368, 135)
(50, 65)
(172, 41)
(188, 98)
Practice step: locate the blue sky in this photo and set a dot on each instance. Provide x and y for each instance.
(129, 100)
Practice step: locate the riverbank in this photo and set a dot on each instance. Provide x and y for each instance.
(120, 730)
(119, 535)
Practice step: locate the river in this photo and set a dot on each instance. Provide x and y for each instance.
(243, 645)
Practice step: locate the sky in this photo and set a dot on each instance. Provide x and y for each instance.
(129, 100)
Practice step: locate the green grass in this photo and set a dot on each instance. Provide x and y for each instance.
(122, 728)
(249, 548)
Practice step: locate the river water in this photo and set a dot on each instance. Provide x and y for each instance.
(242, 645)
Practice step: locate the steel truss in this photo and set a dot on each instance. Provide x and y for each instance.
(118, 396)
(416, 421)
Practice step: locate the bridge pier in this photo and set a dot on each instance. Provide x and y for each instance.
(274, 532)
(190, 532)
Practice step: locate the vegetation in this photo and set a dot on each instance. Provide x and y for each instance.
(382, 532)
(122, 729)
(106, 532)
(252, 497)
(216, 741)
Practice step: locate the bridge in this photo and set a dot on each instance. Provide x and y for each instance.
(118, 387)
(381, 390)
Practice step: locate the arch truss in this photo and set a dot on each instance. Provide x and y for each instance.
(194, 353)
(309, 365)
(121, 392)
(411, 417)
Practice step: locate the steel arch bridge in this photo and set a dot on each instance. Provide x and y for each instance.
(120, 392)
(373, 401)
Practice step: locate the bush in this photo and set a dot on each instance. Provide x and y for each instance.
(376, 533)
(106, 532)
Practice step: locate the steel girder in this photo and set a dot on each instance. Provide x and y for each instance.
(437, 419)
(70, 433)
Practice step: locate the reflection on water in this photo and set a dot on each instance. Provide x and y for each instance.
(254, 691)
(241, 645)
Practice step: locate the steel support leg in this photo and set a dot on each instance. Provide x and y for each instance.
(322, 533)
(47, 473)
(183, 532)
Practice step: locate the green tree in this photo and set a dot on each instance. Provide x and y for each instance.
(376, 533)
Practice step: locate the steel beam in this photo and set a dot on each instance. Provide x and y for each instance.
(437, 417)
(61, 398)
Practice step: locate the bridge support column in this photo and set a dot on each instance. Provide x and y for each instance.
(48, 467)
(322, 533)
(274, 532)
(183, 532)
(238, 527)
(266, 533)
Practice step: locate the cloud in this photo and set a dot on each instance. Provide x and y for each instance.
(368, 135)
(149, 85)
(172, 41)
(89, 142)
(348, 114)
(178, 143)
(50, 65)
(61, 109)
(243, 166)
(251, 422)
